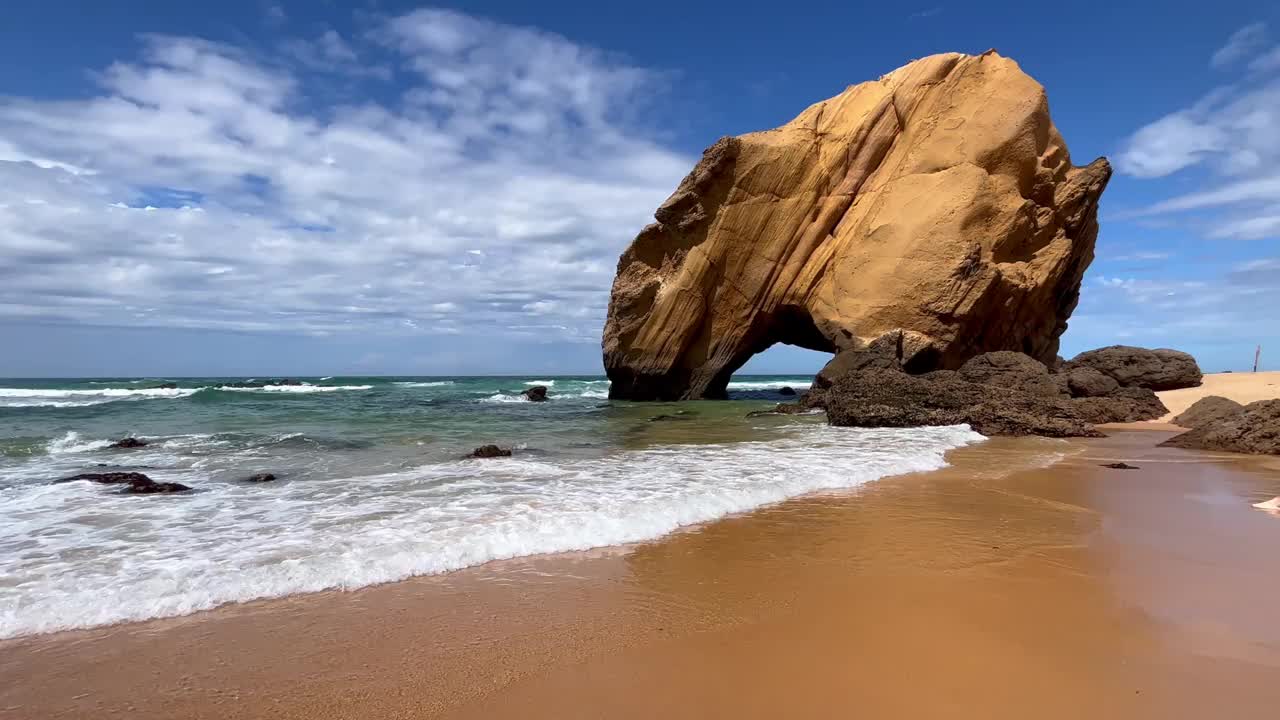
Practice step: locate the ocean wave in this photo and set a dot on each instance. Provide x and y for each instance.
(503, 398)
(204, 549)
(73, 443)
(433, 383)
(796, 384)
(548, 383)
(49, 397)
(294, 388)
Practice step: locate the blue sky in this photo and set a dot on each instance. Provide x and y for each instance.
(319, 187)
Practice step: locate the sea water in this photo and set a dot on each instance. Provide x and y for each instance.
(371, 484)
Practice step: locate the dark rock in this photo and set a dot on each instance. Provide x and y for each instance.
(1254, 430)
(166, 386)
(1207, 411)
(260, 478)
(537, 393)
(795, 408)
(152, 488)
(1126, 404)
(127, 443)
(1088, 382)
(665, 418)
(136, 482)
(108, 478)
(1009, 369)
(889, 398)
(289, 381)
(1120, 466)
(488, 451)
(1160, 369)
(786, 391)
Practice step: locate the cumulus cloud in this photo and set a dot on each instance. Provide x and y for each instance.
(490, 187)
(1228, 139)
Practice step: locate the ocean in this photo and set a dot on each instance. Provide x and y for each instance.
(371, 484)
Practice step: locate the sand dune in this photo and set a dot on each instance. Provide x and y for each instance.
(1242, 387)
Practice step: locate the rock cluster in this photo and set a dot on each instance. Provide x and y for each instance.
(997, 393)
(488, 451)
(935, 209)
(1253, 428)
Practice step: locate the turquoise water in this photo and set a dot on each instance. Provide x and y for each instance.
(371, 482)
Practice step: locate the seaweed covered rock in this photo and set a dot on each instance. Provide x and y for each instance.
(889, 398)
(1254, 430)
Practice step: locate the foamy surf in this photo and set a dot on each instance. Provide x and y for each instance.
(39, 397)
(197, 551)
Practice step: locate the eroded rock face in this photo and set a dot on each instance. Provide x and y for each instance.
(935, 210)
(1160, 369)
(1255, 429)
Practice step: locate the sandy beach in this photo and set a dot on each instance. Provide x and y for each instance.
(994, 588)
(1242, 387)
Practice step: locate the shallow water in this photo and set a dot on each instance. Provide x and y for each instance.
(371, 486)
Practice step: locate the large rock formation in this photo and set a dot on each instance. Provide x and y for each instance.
(936, 207)
(1159, 369)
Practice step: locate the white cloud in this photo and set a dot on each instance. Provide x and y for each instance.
(1242, 43)
(205, 186)
(1229, 138)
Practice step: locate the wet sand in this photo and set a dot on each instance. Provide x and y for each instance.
(1243, 387)
(983, 591)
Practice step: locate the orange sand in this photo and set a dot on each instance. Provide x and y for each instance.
(981, 591)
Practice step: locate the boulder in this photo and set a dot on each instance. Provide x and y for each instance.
(1160, 369)
(1012, 370)
(787, 391)
(936, 207)
(135, 482)
(888, 398)
(127, 443)
(488, 451)
(537, 393)
(1126, 404)
(1254, 430)
(1087, 382)
(1208, 410)
(260, 478)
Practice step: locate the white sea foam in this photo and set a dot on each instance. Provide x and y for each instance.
(80, 555)
(501, 398)
(548, 383)
(434, 383)
(796, 384)
(48, 397)
(297, 388)
(72, 443)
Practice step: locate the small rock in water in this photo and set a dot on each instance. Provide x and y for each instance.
(138, 484)
(129, 442)
(537, 393)
(260, 477)
(786, 390)
(166, 386)
(488, 451)
(664, 418)
(1120, 466)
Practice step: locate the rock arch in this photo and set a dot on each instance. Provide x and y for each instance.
(936, 207)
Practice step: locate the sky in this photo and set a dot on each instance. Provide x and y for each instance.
(316, 188)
